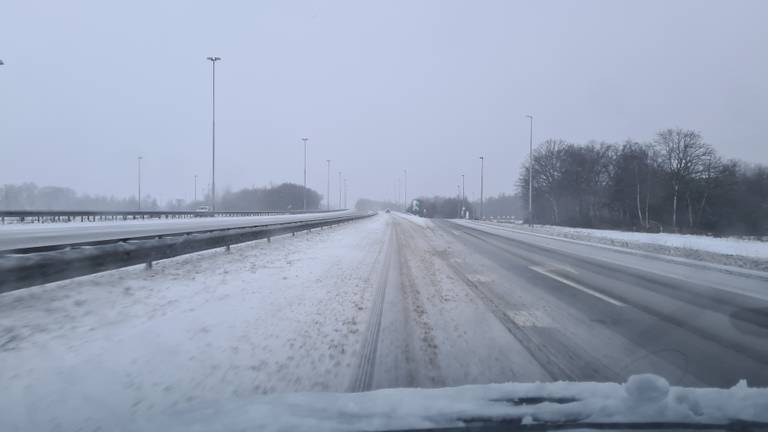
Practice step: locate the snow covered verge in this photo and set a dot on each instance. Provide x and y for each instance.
(129, 344)
(642, 399)
(750, 254)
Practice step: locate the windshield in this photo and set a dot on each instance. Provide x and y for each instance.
(383, 215)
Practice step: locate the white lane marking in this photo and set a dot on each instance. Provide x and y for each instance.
(565, 267)
(530, 318)
(577, 286)
(734, 271)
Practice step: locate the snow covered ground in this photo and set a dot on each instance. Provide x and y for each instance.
(192, 222)
(32, 235)
(223, 341)
(268, 317)
(751, 254)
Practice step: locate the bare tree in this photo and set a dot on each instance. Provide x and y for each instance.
(683, 154)
(712, 169)
(547, 164)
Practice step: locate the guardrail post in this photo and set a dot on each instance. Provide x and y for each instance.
(148, 264)
(227, 249)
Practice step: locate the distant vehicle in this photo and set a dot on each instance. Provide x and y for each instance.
(203, 210)
(387, 211)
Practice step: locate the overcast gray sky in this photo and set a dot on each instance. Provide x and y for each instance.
(377, 87)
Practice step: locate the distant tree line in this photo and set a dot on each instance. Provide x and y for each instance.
(676, 183)
(286, 196)
(502, 205)
(28, 196)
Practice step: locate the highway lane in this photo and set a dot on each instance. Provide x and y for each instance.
(35, 235)
(569, 311)
(710, 325)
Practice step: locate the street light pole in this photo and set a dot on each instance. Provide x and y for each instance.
(340, 203)
(530, 175)
(458, 196)
(195, 188)
(328, 188)
(345, 193)
(463, 196)
(405, 190)
(399, 192)
(482, 163)
(139, 181)
(305, 172)
(213, 61)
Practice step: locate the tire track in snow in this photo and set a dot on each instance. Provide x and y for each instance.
(424, 348)
(363, 376)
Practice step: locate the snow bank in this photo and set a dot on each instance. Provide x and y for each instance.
(128, 344)
(189, 221)
(722, 245)
(751, 254)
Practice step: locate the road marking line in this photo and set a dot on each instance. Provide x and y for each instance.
(550, 267)
(577, 286)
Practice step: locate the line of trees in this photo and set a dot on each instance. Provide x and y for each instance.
(502, 205)
(29, 196)
(285, 196)
(676, 183)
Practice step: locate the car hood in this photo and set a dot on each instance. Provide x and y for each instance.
(643, 399)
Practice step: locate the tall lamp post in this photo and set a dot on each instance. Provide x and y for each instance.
(530, 175)
(328, 188)
(195, 188)
(463, 197)
(482, 163)
(405, 190)
(458, 197)
(213, 61)
(399, 192)
(139, 181)
(305, 172)
(345, 193)
(340, 194)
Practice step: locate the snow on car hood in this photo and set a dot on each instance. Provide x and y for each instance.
(643, 398)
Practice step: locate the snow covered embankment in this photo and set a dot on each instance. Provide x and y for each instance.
(749, 254)
(125, 345)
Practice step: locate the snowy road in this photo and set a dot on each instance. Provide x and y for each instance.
(19, 236)
(389, 301)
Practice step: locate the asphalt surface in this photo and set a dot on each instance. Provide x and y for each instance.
(569, 311)
(37, 235)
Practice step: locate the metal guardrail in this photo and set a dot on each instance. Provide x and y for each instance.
(25, 216)
(26, 268)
